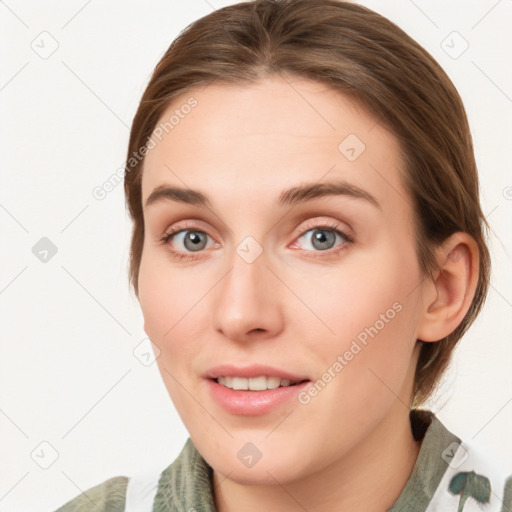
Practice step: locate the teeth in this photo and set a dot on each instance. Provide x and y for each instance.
(254, 383)
(239, 383)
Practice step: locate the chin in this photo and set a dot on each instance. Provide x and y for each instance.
(266, 471)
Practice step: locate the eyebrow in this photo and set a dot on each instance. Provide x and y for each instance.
(288, 197)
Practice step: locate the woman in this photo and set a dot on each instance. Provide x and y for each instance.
(308, 248)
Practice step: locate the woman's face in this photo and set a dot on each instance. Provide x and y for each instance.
(258, 276)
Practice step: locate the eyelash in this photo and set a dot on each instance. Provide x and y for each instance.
(327, 227)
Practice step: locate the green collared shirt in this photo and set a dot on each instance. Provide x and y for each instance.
(448, 476)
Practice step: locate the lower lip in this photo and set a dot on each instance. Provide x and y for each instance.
(252, 403)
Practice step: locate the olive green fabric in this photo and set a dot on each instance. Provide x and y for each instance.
(187, 483)
(430, 466)
(108, 496)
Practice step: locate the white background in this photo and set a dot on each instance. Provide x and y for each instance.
(69, 326)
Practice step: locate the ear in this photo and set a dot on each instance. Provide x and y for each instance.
(448, 296)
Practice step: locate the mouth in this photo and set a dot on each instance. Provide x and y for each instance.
(260, 383)
(253, 390)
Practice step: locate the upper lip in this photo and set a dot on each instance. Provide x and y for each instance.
(254, 370)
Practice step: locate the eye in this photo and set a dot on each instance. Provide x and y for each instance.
(184, 241)
(192, 240)
(323, 238)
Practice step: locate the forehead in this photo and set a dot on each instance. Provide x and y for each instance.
(268, 136)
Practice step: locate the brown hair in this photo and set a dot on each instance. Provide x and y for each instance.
(359, 53)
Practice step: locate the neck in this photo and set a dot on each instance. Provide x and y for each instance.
(382, 463)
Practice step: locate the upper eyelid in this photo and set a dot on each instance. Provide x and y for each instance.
(195, 225)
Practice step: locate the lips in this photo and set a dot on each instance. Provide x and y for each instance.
(221, 381)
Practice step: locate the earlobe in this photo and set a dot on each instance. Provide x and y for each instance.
(448, 296)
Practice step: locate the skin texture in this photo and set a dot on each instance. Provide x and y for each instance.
(242, 146)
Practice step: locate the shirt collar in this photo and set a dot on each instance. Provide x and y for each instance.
(187, 483)
(431, 464)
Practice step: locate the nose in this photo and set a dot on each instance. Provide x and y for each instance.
(247, 301)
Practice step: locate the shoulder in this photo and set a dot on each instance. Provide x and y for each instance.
(109, 495)
(473, 480)
(187, 480)
(451, 474)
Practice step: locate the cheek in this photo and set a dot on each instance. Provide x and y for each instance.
(156, 300)
(352, 297)
(371, 310)
(159, 292)
(173, 308)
